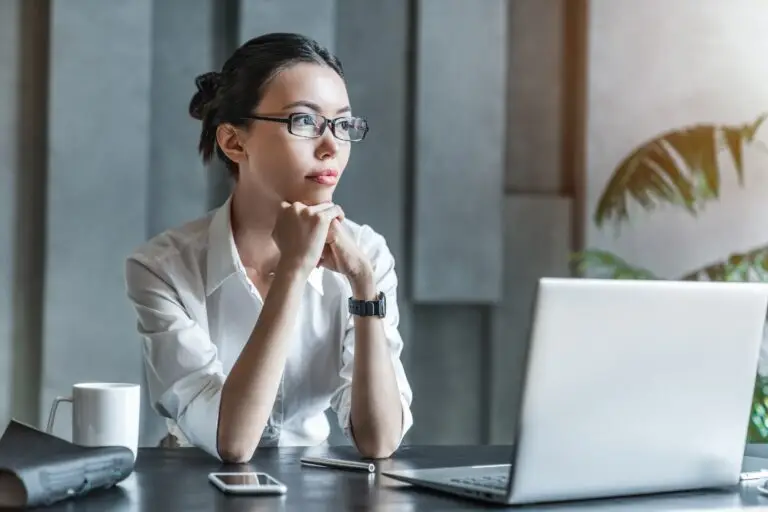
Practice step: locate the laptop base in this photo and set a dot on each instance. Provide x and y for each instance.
(453, 480)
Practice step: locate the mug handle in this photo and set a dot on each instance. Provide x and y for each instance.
(54, 406)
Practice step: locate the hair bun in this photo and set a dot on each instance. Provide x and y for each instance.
(207, 86)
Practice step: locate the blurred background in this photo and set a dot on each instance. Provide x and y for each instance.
(507, 137)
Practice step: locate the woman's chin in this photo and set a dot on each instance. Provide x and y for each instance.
(314, 197)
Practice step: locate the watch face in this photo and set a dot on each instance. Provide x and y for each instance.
(383, 304)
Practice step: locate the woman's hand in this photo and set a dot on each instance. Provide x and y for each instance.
(301, 232)
(341, 254)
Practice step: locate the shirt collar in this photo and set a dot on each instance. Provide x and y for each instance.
(315, 279)
(223, 260)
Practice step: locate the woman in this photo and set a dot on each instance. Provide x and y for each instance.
(255, 318)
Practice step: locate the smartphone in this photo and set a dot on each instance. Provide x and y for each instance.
(247, 483)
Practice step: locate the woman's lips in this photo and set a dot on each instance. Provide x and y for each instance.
(327, 177)
(324, 180)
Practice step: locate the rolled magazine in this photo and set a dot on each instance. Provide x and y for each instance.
(37, 468)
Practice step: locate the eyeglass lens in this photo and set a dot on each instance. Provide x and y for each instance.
(312, 125)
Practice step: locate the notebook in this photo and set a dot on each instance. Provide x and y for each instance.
(37, 468)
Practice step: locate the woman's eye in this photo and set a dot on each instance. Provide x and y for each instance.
(306, 120)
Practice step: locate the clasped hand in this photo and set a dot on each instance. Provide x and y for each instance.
(312, 236)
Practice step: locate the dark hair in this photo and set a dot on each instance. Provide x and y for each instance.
(229, 95)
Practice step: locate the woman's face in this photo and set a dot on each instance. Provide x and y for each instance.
(291, 167)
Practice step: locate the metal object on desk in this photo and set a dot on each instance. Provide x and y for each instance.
(754, 475)
(339, 463)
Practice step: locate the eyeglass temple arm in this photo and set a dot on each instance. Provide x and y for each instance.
(266, 118)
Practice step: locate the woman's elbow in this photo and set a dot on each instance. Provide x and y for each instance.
(372, 448)
(376, 452)
(233, 450)
(234, 444)
(233, 454)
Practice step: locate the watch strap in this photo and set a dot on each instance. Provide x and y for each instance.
(368, 307)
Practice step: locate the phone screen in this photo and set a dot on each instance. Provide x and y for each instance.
(254, 479)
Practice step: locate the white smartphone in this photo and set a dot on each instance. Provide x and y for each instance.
(247, 483)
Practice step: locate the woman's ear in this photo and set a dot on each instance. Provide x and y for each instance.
(228, 138)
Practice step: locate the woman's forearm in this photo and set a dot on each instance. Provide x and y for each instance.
(249, 392)
(376, 408)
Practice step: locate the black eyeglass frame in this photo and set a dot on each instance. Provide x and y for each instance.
(326, 123)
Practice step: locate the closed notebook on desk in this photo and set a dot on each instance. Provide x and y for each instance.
(39, 469)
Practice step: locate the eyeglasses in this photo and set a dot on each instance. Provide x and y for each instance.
(311, 126)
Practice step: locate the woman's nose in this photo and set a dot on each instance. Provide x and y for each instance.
(327, 145)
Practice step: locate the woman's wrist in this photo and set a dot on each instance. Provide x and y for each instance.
(363, 285)
(291, 271)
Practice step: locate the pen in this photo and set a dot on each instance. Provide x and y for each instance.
(755, 475)
(338, 463)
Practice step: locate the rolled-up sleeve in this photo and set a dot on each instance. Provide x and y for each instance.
(374, 245)
(184, 374)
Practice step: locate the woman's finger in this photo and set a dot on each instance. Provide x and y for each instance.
(332, 213)
(317, 208)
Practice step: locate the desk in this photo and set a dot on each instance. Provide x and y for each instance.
(169, 480)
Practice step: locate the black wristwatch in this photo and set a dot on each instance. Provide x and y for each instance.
(376, 307)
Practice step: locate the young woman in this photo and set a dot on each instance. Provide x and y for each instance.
(258, 317)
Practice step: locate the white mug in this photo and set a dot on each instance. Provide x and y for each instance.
(103, 414)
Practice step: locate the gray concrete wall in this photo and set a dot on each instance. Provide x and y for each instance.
(314, 18)
(98, 163)
(10, 42)
(119, 164)
(459, 150)
(182, 47)
(23, 87)
(536, 98)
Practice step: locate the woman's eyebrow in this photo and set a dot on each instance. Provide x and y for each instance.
(313, 106)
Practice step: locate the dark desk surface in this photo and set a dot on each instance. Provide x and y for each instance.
(168, 480)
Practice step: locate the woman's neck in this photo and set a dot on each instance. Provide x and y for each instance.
(253, 220)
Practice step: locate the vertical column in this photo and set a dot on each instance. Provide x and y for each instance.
(31, 187)
(538, 219)
(182, 48)
(537, 244)
(97, 190)
(534, 135)
(10, 42)
(373, 189)
(460, 141)
(375, 64)
(313, 18)
(23, 76)
(447, 376)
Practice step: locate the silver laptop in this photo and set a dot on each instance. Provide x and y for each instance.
(631, 387)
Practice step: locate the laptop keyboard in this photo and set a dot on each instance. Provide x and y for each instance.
(498, 482)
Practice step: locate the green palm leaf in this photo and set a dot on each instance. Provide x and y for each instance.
(747, 266)
(734, 138)
(678, 167)
(604, 264)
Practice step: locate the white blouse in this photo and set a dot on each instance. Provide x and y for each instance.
(196, 309)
